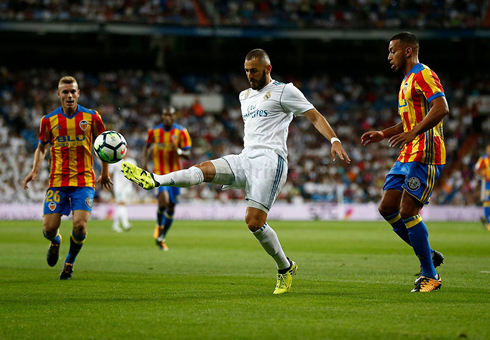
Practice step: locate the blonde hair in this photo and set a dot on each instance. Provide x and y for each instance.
(67, 80)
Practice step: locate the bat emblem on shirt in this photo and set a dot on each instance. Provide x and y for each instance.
(83, 125)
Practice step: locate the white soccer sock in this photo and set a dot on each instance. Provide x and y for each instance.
(182, 178)
(267, 238)
(122, 211)
(115, 224)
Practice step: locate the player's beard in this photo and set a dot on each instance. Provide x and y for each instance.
(260, 82)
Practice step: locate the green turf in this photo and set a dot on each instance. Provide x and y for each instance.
(353, 282)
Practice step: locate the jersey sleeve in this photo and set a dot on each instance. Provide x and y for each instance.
(185, 142)
(479, 164)
(44, 131)
(429, 84)
(150, 137)
(293, 100)
(98, 126)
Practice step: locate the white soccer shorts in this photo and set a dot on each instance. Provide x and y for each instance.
(261, 172)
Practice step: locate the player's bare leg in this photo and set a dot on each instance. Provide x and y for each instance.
(51, 225)
(78, 235)
(389, 208)
(256, 220)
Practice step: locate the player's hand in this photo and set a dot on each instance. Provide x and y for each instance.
(372, 137)
(30, 177)
(338, 150)
(174, 146)
(105, 181)
(401, 139)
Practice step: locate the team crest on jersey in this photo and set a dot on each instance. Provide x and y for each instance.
(247, 94)
(83, 125)
(267, 95)
(405, 87)
(52, 206)
(89, 201)
(413, 183)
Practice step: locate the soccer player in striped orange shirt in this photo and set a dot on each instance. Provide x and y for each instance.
(70, 130)
(482, 168)
(168, 142)
(422, 106)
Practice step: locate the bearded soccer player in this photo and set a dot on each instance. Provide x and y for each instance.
(168, 142)
(70, 131)
(409, 184)
(268, 107)
(482, 167)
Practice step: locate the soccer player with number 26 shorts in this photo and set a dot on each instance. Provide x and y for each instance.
(409, 184)
(70, 130)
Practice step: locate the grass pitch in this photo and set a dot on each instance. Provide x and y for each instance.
(216, 282)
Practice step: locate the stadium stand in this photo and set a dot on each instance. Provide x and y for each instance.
(130, 101)
(292, 14)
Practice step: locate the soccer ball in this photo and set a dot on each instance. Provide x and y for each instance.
(110, 146)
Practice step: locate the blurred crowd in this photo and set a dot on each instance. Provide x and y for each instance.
(292, 13)
(130, 102)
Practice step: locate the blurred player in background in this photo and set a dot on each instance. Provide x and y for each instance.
(168, 142)
(482, 168)
(268, 107)
(70, 130)
(123, 192)
(409, 184)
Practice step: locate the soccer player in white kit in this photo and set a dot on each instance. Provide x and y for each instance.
(123, 191)
(268, 108)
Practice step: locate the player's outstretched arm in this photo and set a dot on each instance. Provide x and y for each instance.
(104, 178)
(39, 156)
(321, 124)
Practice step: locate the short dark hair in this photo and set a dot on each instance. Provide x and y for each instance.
(407, 38)
(258, 53)
(168, 109)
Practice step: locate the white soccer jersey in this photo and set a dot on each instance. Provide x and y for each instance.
(121, 185)
(268, 112)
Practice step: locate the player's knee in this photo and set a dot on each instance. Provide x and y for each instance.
(208, 170)
(50, 231)
(171, 208)
(80, 227)
(386, 210)
(254, 223)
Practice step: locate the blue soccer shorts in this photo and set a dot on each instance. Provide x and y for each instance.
(173, 193)
(67, 199)
(416, 178)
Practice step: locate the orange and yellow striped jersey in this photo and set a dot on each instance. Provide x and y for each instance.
(71, 163)
(483, 167)
(165, 157)
(419, 87)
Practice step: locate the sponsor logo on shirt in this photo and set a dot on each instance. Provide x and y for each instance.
(252, 112)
